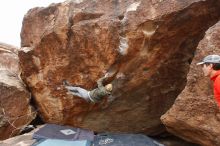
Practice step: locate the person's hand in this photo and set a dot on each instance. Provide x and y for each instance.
(106, 75)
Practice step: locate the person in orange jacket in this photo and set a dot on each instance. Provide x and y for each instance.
(211, 68)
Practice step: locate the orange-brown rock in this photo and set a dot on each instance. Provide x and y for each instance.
(15, 111)
(195, 115)
(148, 43)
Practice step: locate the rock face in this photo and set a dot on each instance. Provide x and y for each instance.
(149, 44)
(15, 111)
(195, 115)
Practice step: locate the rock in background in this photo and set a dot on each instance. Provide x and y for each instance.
(195, 115)
(149, 44)
(15, 111)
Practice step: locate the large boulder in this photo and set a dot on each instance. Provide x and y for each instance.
(195, 115)
(15, 111)
(149, 44)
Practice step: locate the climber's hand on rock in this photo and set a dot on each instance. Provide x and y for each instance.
(107, 75)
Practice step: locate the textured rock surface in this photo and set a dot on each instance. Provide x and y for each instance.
(174, 141)
(195, 115)
(149, 43)
(15, 111)
(21, 140)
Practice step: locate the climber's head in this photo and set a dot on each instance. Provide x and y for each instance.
(108, 87)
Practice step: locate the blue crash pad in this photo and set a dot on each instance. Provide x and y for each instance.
(53, 131)
(58, 142)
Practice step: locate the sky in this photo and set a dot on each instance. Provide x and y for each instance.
(11, 16)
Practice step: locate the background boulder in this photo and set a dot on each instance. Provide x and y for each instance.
(195, 115)
(15, 111)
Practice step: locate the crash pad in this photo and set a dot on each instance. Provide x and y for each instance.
(58, 142)
(53, 131)
(109, 139)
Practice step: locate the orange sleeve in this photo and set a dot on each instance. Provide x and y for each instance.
(217, 84)
(217, 90)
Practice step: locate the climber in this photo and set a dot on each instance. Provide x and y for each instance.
(211, 68)
(94, 95)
